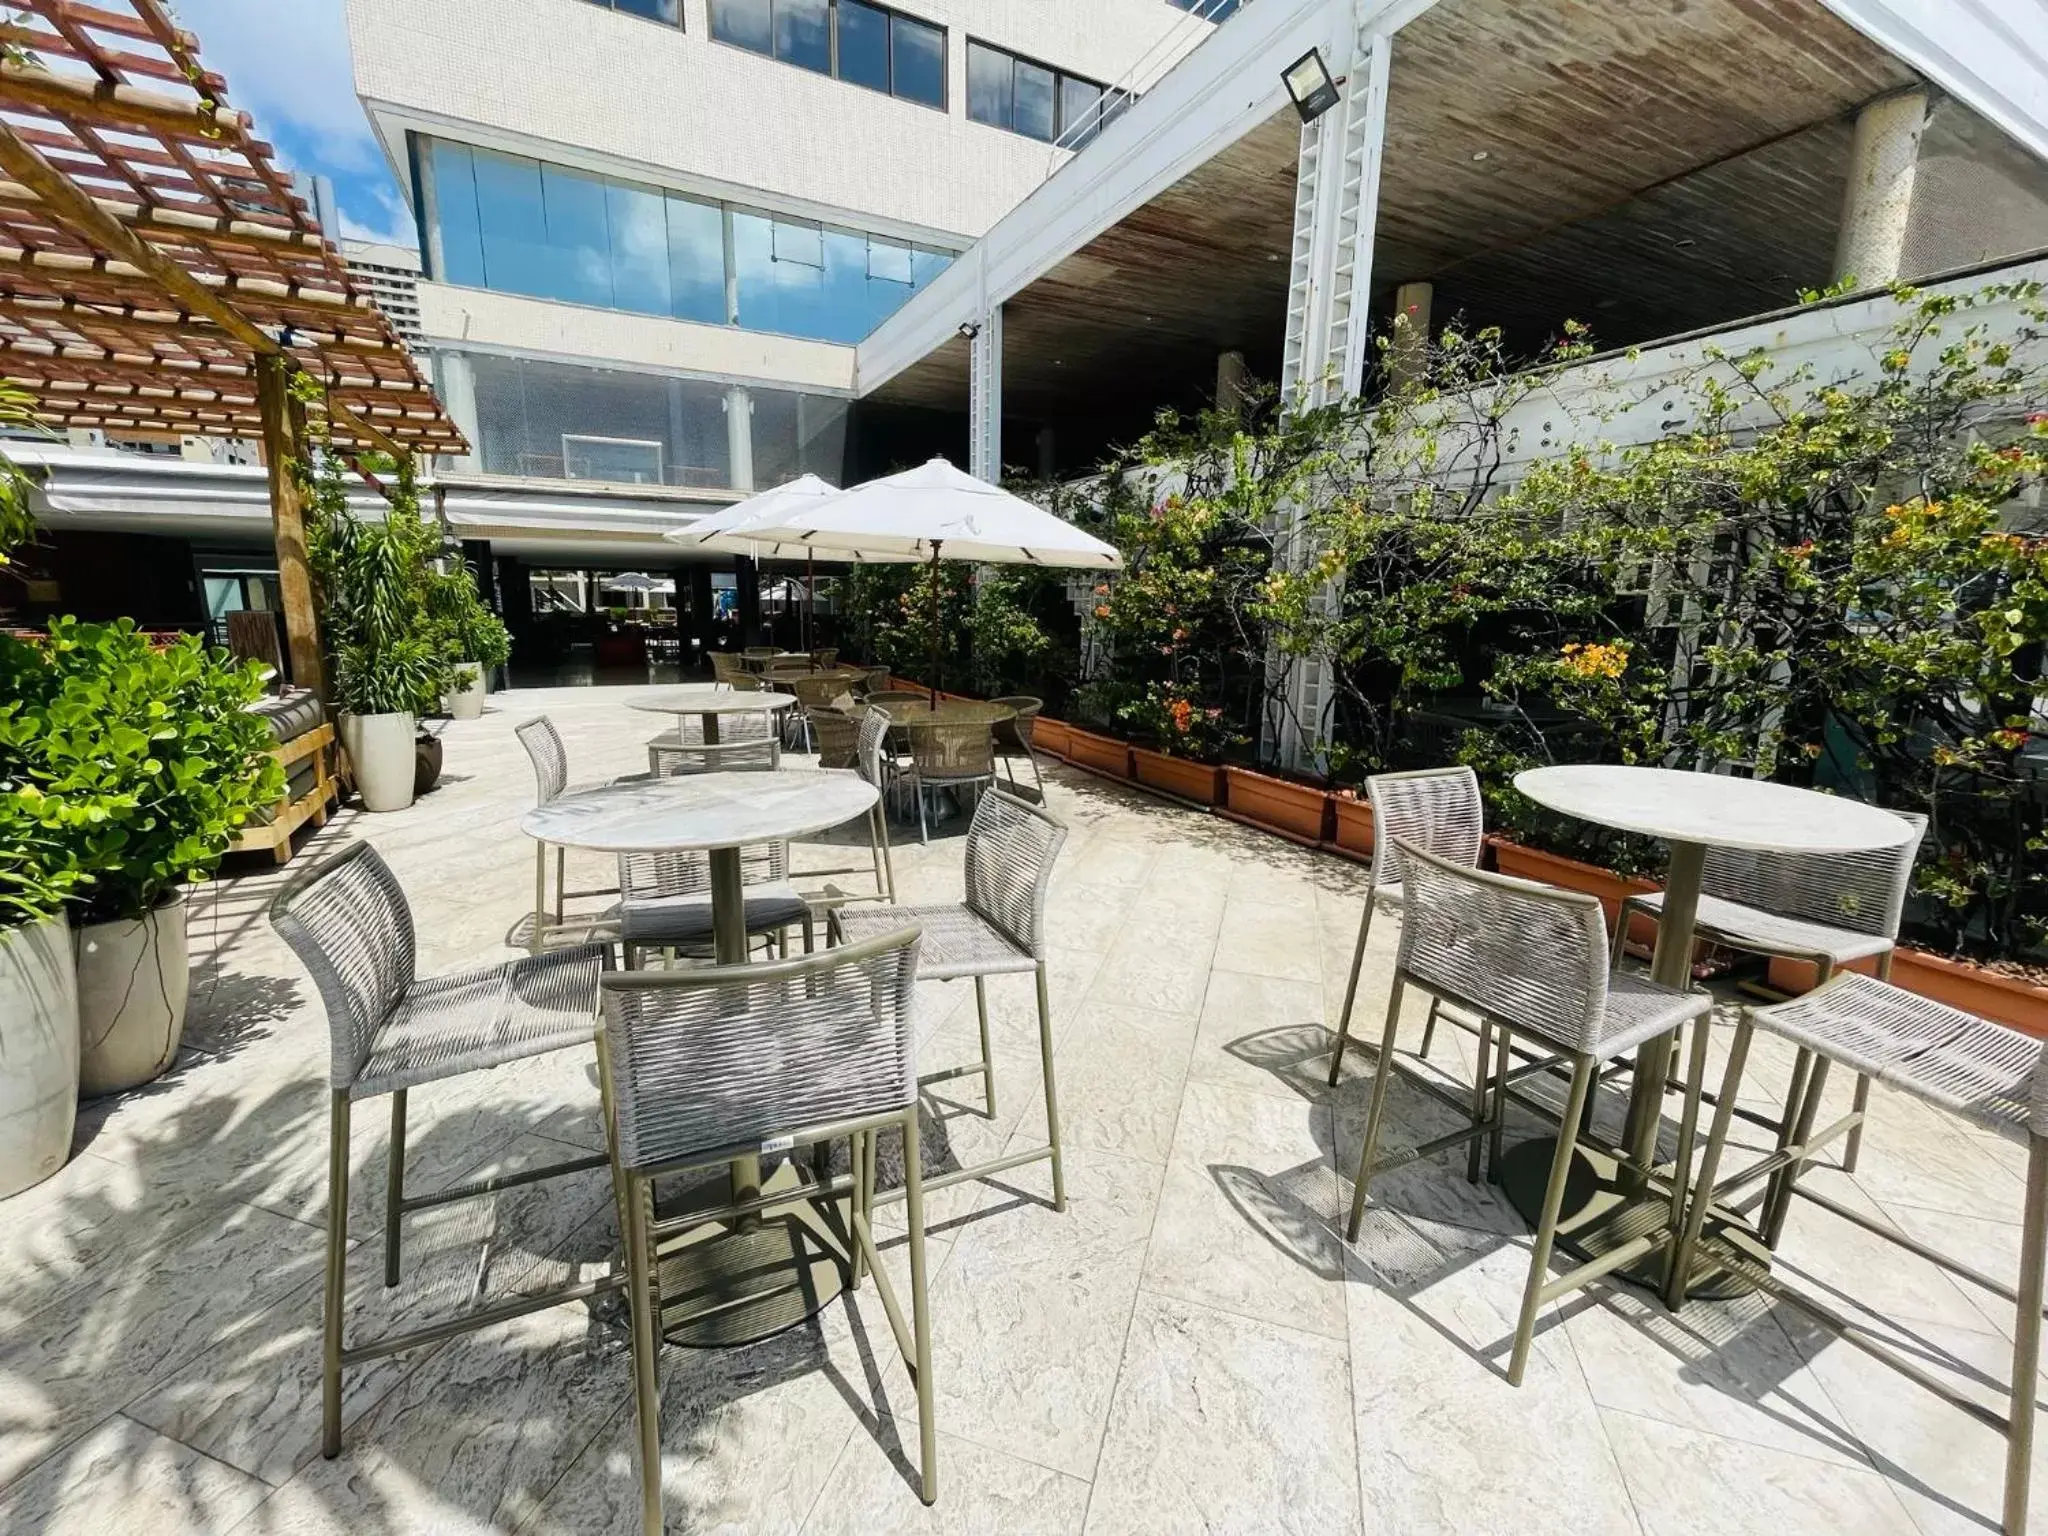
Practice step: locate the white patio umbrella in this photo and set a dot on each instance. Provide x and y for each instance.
(932, 512)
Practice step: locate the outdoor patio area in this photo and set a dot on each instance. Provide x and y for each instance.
(1190, 1346)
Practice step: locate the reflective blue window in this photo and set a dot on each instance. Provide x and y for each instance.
(746, 23)
(1209, 10)
(653, 10)
(857, 40)
(803, 34)
(917, 56)
(988, 85)
(519, 226)
(1040, 102)
(864, 44)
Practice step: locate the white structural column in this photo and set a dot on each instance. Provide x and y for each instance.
(457, 378)
(985, 398)
(1878, 205)
(739, 437)
(1336, 211)
(1409, 352)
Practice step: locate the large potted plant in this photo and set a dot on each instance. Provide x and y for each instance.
(39, 869)
(388, 668)
(154, 762)
(471, 638)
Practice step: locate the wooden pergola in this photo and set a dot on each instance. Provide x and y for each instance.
(159, 276)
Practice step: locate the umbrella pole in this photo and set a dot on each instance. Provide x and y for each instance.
(810, 602)
(935, 624)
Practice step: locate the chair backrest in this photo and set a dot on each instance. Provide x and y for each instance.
(1016, 731)
(872, 752)
(1012, 846)
(760, 652)
(745, 682)
(651, 876)
(878, 679)
(725, 1057)
(815, 692)
(1435, 809)
(348, 922)
(724, 666)
(543, 744)
(888, 696)
(1531, 955)
(838, 737)
(952, 749)
(1863, 892)
(824, 657)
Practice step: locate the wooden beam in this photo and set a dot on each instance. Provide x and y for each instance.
(124, 107)
(82, 316)
(187, 224)
(283, 443)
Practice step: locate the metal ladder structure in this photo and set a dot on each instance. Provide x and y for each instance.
(1336, 206)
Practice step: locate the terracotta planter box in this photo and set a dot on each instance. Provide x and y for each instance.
(1293, 810)
(1177, 776)
(1354, 824)
(1049, 736)
(1554, 869)
(1085, 749)
(1972, 988)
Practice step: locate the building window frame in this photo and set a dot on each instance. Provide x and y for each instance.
(623, 8)
(1121, 100)
(894, 14)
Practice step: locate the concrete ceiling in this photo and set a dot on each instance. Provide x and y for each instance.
(1651, 168)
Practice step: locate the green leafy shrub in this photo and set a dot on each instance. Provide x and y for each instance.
(126, 769)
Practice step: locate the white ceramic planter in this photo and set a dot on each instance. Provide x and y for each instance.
(380, 747)
(466, 702)
(38, 1052)
(133, 979)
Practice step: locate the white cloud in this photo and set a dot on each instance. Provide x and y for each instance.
(287, 65)
(393, 226)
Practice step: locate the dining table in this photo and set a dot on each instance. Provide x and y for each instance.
(729, 1283)
(1610, 1202)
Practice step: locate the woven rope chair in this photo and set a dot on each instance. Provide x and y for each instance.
(1826, 908)
(687, 1083)
(1994, 1077)
(815, 693)
(838, 737)
(875, 763)
(666, 901)
(1528, 960)
(998, 930)
(550, 760)
(1435, 809)
(877, 680)
(948, 755)
(390, 1031)
(1012, 737)
(825, 657)
(725, 667)
(746, 740)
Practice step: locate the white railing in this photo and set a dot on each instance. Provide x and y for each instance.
(1173, 45)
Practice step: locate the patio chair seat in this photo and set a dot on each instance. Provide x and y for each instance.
(472, 1019)
(1746, 927)
(687, 919)
(958, 942)
(1638, 1009)
(1993, 1076)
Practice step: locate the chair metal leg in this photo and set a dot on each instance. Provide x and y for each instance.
(1775, 1213)
(1853, 1149)
(1052, 1102)
(1689, 1119)
(644, 1307)
(1795, 1095)
(1678, 1268)
(540, 895)
(988, 1064)
(1382, 1076)
(1351, 992)
(920, 1310)
(1503, 1062)
(917, 789)
(1429, 1032)
(2026, 1341)
(1037, 779)
(394, 1187)
(1583, 1068)
(859, 1145)
(337, 1274)
(1480, 1075)
(561, 881)
(885, 869)
(1618, 943)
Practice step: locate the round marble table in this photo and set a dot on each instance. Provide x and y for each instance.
(765, 1274)
(1690, 812)
(708, 701)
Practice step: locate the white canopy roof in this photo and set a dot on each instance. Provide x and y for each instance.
(935, 511)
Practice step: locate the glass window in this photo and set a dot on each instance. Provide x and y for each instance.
(864, 45)
(638, 225)
(577, 263)
(803, 244)
(459, 242)
(918, 61)
(1036, 101)
(696, 261)
(795, 434)
(803, 34)
(653, 10)
(889, 261)
(1208, 10)
(1079, 115)
(988, 86)
(746, 23)
(926, 265)
(556, 421)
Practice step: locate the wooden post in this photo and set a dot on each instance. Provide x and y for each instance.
(284, 439)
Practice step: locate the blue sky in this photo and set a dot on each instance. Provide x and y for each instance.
(287, 65)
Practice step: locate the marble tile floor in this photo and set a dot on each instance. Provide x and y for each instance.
(1191, 1347)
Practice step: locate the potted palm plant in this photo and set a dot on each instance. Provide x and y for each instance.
(472, 639)
(388, 669)
(143, 762)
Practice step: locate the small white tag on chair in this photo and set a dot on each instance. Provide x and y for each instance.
(778, 1144)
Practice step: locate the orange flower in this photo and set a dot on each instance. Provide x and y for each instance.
(1102, 610)
(1590, 661)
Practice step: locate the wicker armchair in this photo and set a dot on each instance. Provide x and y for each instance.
(825, 657)
(685, 1080)
(1013, 738)
(998, 930)
(1991, 1076)
(877, 680)
(390, 1031)
(666, 901)
(837, 735)
(815, 693)
(1435, 809)
(1530, 960)
(1827, 908)
(725, 667)
(948, 755)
